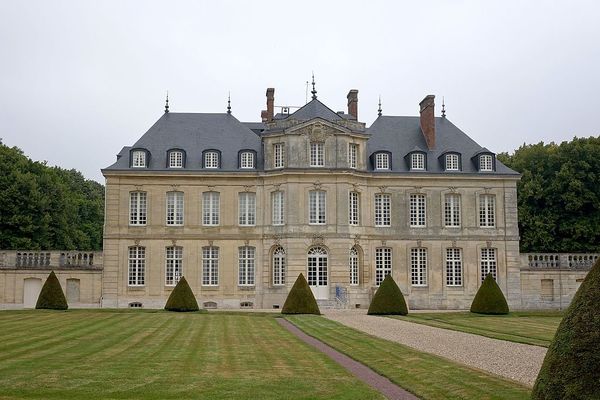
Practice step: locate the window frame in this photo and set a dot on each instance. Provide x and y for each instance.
(173, 153)
(418, 266)
(175, 208)
(454, 267)
(141, 208)
(244, 156)
(383, 161)
(383, 263)
(211, 208)
(353, 208)
(418, 210)
(320, 210)
(487, 210)
(353, 155)
(317, 154)
(133, 158)
(136, 266)
(279, 261)
(383, 210)
(449, 162)
(278, 208)
(247, 209)
(418, 161)
(488, 165)
(210, 266)
(452, 210)
(173, 265)
(278, 155)
(354, 265)
(207, 155)
(488, 262)
(246, 266)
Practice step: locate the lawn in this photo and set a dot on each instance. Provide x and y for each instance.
(428, 376)
(535, 328)
(104, 354)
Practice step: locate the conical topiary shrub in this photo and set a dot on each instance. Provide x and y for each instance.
(571, 369)
(489, 298)
(300, 300)
(52, 296)
(182, 298)
(388, 299)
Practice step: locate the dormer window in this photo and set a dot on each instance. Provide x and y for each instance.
(317, 154)
(452, 162)
(382, 161)
(138, 159)
(211, 159)
(175, 159)
(247, 160)
(417, 161)
(486, 163)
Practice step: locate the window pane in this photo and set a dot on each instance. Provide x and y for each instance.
(316, 154)
(137, 208)
(353, 208)
(210, 266)
(316, 207)
(488, 263)
(382, 161)
(246, 266)
(382, 209)
(174, 267)
(487, 215)
(176, 159)
(417, 161)
(452, 210)
(247, 209)
(278, 155)
(279, 266)
(175, 208)
(452, 162)
(383, 264)
(354, 270)
(277, 216)
(210, 208)
(247, 160)
(352, 155)
(139, 159)
(418, 267)
(417, 210)
(136, 266)
(453, 267)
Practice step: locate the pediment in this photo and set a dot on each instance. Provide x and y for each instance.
(317, 129)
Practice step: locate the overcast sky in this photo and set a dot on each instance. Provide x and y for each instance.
(81, 79)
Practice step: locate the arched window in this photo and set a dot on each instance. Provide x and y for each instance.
(279, 266)
(317, 266)
(354, 266)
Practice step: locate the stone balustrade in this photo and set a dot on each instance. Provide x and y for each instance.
(50, 259)
(549, 261)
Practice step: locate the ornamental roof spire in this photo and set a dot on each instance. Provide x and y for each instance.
(379, 109)
(167, 103)
(313, 91)
(229, 103)
(443, 108)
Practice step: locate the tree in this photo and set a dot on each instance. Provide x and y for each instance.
(300, 300)
(489, 298)
(182, 298)
(52, 296)
(388, 299)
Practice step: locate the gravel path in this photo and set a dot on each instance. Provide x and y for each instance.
(519, 362)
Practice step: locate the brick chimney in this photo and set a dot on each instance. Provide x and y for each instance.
(428, 120)
(353, 103)
(267, 115)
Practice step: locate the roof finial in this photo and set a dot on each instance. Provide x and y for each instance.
(229, 103)
(167, 103)
(314, 91)
(443, 108)
(379, 109)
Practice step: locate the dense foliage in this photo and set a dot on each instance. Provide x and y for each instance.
(388, 300)
(300, 300)
(52, 296)
(182, 298)
(489, 298)
(47, 207)
(571, 368)
(559, 195)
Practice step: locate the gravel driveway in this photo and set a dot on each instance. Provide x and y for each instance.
(519, 362)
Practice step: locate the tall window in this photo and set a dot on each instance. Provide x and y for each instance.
(453, 267)
(174, 267)
(278, 213)
(175, 159)
(418, 266)
(417, 210)
(210, 266)
(382, 161)
(137, 266)
(488, 262)
(139, 159)
(246, 266)
(316, 154)
(317, 267)
(452, 162)
(174, 208)
(211, 159)
(486, 162)
(137, 208)
(417, 161)
(487, 214)
(316, 200)
(247, 209)
(352, 154)
(383, 264)
(247, 160)
(210, 208)
(382, 209)
(354, 266)
(353, 208)
(278, 155)
(452, 210)
(279, 266)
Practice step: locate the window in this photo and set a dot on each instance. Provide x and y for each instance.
(382, 161)
(176, 159)
(453, 267)
(246, 266)
(211, 159)
(210, 208)
(247, 209)
(418, 266)
(316, 199)
(174, 208)
(383, 264)
(279, 266)
(278, 155)
(247, 160)
(353, 208)
(137, 208)
(352, 154)
(382, 209)
(174, 267)
(417, 210)
(486, 162)
(417, 161)
(452, 211)
(452, 162)
(137, 266)
(277, 201)
(354, 266)
(138, 159)
(210, 266)
(488, 263)
(317, 267)
(487, 217)
(316, 154)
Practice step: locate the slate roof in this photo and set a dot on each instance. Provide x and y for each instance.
(315, 109)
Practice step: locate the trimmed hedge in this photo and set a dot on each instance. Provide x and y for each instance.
(182, 298)
(571, 369)
(52, 296)
(388, 299)
(300, 300)
(489, 298)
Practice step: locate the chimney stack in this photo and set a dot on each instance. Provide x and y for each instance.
(267, 115)
(353, 104)
(428, 120)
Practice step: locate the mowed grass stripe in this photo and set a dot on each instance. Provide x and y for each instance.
(428, 376)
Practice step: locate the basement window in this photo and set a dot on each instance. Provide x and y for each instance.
(246, 304)
(209, 305)
(135, 304)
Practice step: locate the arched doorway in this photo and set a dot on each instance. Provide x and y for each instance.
(318, 276)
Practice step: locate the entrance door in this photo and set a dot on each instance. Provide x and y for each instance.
(31, 291)
(318, 278)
